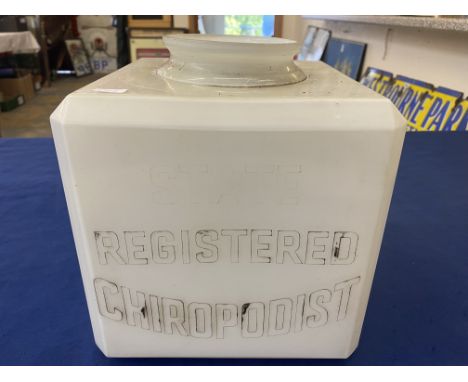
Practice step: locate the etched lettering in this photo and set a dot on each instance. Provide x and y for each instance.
(200, 325)
(169, 316)
(135, 243)
(173, 316)
(226, 316)
(316, 249)
(155, 313)
(344, 248)
(164, 252)
(262, 240)
(317, 313)
(107, 243)
(204, 240)
(136, 309)
(252, 318)
(205, 246)
(345, 289)
(298, 320)
(280, 315)
(103, 288)
(234, 235)
(288, 243)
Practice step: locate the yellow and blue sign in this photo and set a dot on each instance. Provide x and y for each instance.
(435, 113)
(377, 79)
(395, 90)
(458, 119)
(413, 98)
(426, 108)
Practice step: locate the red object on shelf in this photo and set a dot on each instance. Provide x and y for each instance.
(152, 52)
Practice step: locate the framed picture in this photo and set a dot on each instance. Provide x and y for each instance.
(345, 56)
(101, 46)
(146, 21)
(315, 42)
(78, 56)
(155, 33)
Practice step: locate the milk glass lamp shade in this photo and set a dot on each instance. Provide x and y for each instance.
(227, 202)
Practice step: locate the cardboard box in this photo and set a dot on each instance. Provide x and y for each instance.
(11, 103)
(13, 87)
(37, 82)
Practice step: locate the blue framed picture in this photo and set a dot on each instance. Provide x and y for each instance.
(345, 56)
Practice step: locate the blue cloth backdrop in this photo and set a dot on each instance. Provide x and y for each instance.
(418, 310)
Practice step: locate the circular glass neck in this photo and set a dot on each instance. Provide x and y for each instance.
(231, 61)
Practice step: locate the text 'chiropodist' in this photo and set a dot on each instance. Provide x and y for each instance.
(248, 319)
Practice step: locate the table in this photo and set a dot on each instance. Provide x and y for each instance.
(418, 310)
(18, 42)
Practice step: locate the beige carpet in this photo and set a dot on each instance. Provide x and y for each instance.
(31, 120)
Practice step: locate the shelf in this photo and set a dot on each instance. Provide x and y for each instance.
(459, 24)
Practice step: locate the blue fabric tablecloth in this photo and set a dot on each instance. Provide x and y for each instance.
(418, 310)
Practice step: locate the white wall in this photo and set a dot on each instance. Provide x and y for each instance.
(437, 57)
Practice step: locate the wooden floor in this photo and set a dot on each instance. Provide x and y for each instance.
(31, 120)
